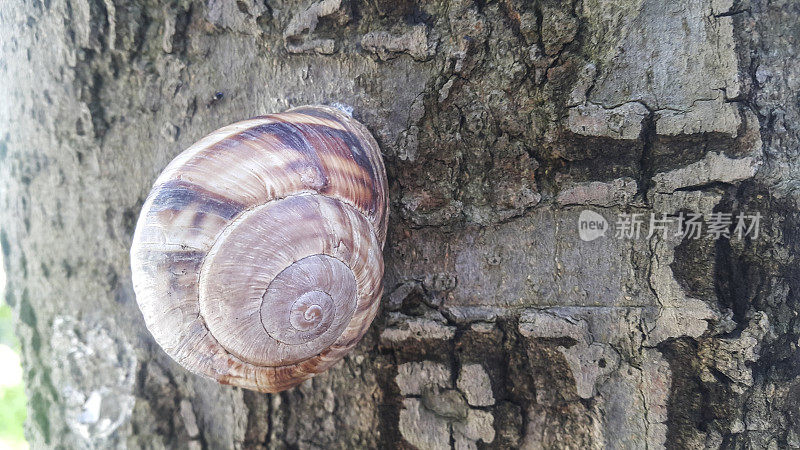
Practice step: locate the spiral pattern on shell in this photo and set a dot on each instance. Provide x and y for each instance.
(257, 258)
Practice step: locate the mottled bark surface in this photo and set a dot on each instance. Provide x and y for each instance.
(500, 121)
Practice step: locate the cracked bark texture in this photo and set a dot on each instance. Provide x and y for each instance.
(499, 122)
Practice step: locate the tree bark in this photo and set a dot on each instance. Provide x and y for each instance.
(500, 122)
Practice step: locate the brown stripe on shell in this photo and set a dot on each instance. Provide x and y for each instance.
(180, 213)
(329, 115)
(342, 147)
(308, 158)
(179, 195)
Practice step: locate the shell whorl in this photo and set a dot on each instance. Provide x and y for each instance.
(257, 258)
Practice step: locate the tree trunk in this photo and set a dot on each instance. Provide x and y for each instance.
(500, 122)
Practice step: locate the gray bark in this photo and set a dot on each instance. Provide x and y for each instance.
(500, 121)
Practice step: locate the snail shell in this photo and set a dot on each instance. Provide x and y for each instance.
(257, 257)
